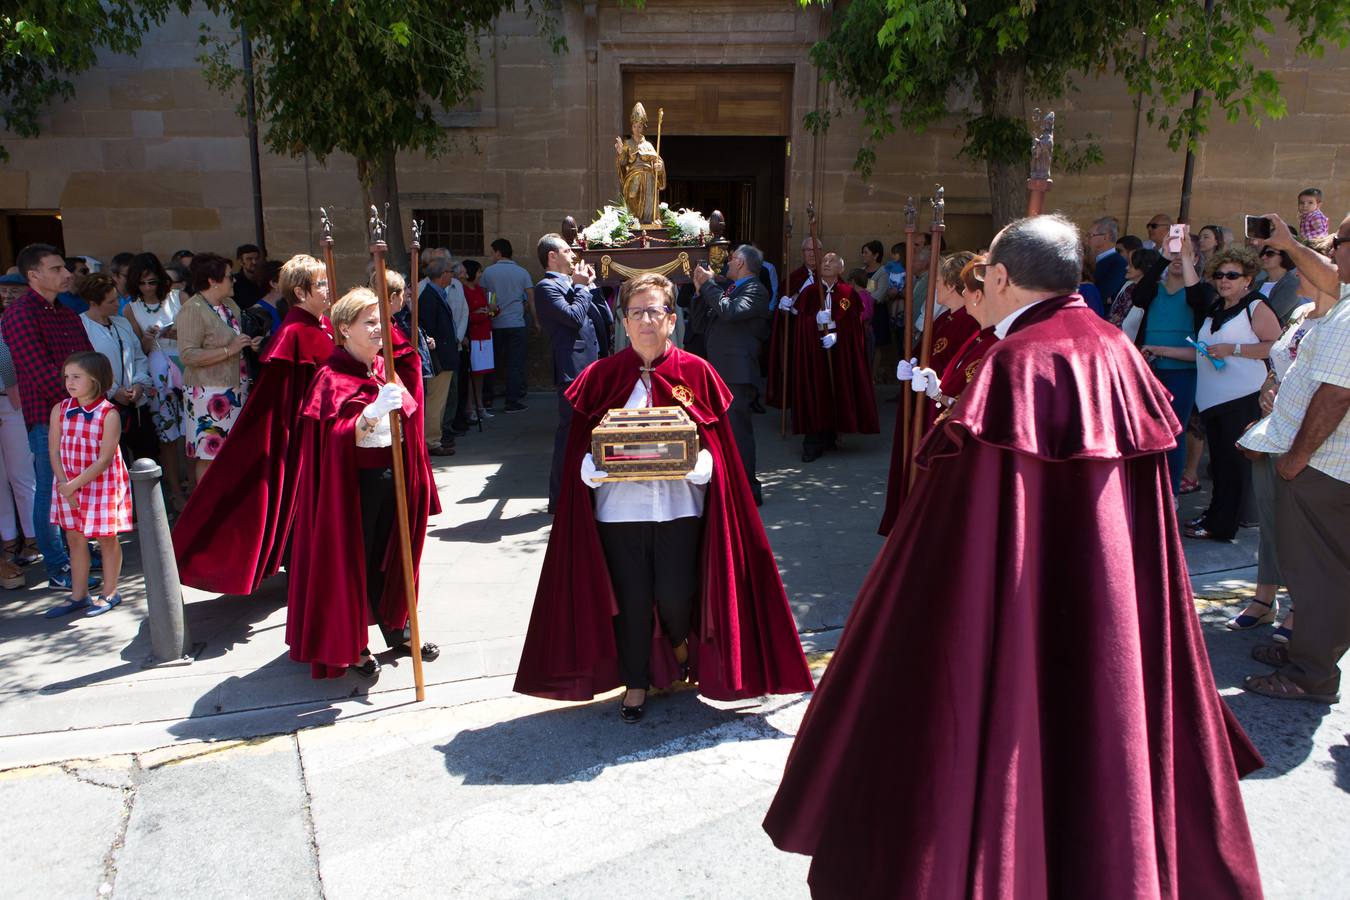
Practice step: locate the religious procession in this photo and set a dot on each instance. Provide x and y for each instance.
(719, 477)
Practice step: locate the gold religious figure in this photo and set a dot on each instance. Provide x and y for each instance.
(642, 173)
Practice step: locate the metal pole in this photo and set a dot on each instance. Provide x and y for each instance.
(169, 641)
(251, 111)
(1188, 173)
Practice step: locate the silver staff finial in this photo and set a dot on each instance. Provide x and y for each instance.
(325, 222)
(417, 225)
(939, 207)
(911, 213)
(377, 225)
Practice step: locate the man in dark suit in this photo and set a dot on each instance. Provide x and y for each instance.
(735, 322)
(1109, 274)
(578, 323)
(436, 319)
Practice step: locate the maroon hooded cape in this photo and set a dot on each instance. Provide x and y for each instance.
(841, 400)
(782, 321)
(951, 334)
(744, 641)
(1056, 730)
(233, 532)
(328, 616)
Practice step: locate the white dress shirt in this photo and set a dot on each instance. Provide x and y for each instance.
(647, 501)
(1001, 329)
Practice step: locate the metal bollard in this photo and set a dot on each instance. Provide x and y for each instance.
(169, 640)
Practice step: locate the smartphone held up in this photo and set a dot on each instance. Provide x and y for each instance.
(1176, 237)
(1259, 227)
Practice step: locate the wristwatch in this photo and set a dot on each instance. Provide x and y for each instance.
(1237, 349)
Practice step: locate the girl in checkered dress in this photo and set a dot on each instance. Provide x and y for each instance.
(92, 496)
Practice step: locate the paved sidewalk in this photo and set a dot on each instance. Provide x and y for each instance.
(478, 792)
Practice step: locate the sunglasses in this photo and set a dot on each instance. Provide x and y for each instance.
(1265, 253)
(1228, 276)
(149, 281)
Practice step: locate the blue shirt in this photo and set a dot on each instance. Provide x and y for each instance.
(72, 302)
(1170, 321)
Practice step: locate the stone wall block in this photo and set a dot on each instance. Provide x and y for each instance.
(107, 123)
(142, 90)
(202, 123)
(130, 190)
(13, 188)
(195, 218)
(147, 123)
(122, 155)
(1299, 161)
(1328, 95)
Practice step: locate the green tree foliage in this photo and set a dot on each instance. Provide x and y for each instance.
(45, 43)
(904, 63)
(366, 77)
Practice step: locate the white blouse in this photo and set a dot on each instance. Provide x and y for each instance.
(162, 315)
(647, 501)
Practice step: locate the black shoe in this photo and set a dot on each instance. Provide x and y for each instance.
(812, 455)
(368, 669)
(442, 451)
(516, 407)
(631, 715)
(429, 651)
(1194, 523)
(757, 407)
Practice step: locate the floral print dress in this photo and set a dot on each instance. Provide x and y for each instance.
(212, 411)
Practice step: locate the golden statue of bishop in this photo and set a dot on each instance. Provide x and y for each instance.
(642, 173)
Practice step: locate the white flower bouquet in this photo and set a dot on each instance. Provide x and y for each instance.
(688, 226)
(614, 226)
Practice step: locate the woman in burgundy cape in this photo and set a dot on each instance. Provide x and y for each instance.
(952, 331)
(345, 570)
(234, 531)
(1057, 731)
(743, 641)
(831, 390)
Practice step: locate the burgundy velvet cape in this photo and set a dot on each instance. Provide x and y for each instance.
(744, 641)
(1055, 730)
(952, 333)
(773, 391)
(328, 617)
(233, 532)
(844, 402)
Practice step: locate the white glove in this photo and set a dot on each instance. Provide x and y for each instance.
(590, 475)
(786, 303)
(823, 317)
(702, 471)
(389, 399)
(925, 381)
(904, 370)
(829, 340)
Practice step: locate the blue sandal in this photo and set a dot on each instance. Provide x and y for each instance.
(1245, 622)
(65, 609)
(108, 604)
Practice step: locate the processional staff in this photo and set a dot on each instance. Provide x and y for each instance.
(926, 350)
(379, 249)
(413, 269)
(784, 284)
(1042, 153)
(815, 277)
(911, 225)
(327, 242)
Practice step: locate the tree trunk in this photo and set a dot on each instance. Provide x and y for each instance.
(379, 185)
(1003, 95)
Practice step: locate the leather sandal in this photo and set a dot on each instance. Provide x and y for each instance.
(1278, 686)
(429, 651)
(1188, 486)
(1276, 655)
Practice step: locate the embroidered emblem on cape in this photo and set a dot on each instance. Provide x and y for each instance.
(843, 304)
(972, 369)
(683, 395)
(940, 345)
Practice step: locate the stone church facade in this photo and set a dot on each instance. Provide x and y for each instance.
(147, 156)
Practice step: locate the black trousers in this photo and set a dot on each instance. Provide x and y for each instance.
(819, 441)
(1231, 471)
(376, 488)
(651, 564)
(743, 428)
(555, 474)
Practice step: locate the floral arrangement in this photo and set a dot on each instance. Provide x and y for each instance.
(614, 226)
(688, 226)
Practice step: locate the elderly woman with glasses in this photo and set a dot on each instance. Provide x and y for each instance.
(690, 554)
(1234, 340)
(232, 552)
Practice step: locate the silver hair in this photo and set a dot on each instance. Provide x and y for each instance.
(1111, 225)
(1042, 253)
(754, 259)
(437, 267)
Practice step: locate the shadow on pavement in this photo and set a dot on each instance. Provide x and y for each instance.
(578, 742)
(1283, 730)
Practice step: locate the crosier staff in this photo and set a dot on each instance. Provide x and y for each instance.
(787, 322)
(379, 249)
(327, 242)
(1042, 152)
(926, 348)
(412, 285)
(911, 219)
(815, 277)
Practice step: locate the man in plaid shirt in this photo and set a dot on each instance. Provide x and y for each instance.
(40, 334)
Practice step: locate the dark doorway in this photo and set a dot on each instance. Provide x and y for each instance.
(741, 176)
(19, 228)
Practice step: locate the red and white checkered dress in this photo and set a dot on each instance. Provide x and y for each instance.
(105, 502)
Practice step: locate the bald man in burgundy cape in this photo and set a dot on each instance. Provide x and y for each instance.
(784, 323)
(1056, 730)
(235, 528)
(743, 641)
(831, 383)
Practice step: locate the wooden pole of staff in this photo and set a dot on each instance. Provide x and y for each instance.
(1042, 153)
(926, 348)
(412, 290)
(327, 242)
(783, 283)
(379, 249)
(906, 408)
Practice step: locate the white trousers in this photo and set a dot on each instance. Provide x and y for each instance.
(16, 472)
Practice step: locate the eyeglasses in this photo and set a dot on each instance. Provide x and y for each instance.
(149, 281)
(1228, 276)
(1096, 234)
(652, 314)
(1265, 253)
